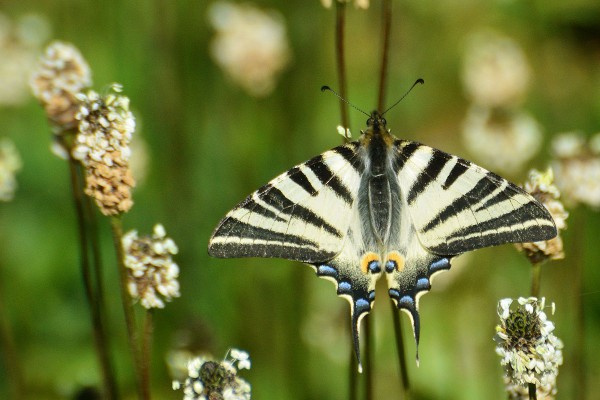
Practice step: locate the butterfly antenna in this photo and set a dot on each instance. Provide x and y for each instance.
(327, 88)
(418, 81)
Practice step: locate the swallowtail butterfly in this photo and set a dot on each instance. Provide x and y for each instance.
(380, 206)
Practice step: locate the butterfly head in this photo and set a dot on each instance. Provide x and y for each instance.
(376, 121)
(376, 129)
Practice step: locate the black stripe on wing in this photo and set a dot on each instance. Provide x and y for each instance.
(457, 170)
(326, 176)
(296, 175)
(477, 208)
(484, 186)
(428, 176)
(406, 150)
(349, 152)
(275, 198)
(276, 244)
(507, 228)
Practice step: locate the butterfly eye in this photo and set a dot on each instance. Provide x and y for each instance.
(370, 122)
(383, 121)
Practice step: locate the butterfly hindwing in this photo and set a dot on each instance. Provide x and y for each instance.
(354, 271)
(303, 214)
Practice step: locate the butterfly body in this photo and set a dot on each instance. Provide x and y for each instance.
(380, 206)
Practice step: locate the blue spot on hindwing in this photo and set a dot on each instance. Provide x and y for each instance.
(371, 295)
(422, 284)
(326, 270)
(407, 301)
(439, 265)
(375, 267)
(344, 287)
(390, 266)
(361, 306)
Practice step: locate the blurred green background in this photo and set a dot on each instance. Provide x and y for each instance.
(209, 143)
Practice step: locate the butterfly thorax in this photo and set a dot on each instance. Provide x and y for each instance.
(378, 202)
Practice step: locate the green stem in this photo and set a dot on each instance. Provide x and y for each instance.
(146, 353)
(340, 25)
(536, 274)
(12, 364)
(385, 50)
(117, 233)
(368, 359)
(532, 391)
(353, 375)
(577, 262)
(93, 297)
(404, 382)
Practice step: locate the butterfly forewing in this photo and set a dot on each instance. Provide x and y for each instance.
(457, 206)
(303, 214)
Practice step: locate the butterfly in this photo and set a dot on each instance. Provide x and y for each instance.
(380, 206)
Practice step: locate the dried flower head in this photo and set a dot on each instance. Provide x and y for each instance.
(541, 186)
(495, 71)
(10, 162)
(363, 4)
(151, 270)
(577, 168)
(504, 140)
(62, 74)
(530, 352)
(102, 145)
(251, 45)
(212, 380)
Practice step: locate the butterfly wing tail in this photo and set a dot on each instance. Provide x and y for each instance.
(357, 288)
(408, 283)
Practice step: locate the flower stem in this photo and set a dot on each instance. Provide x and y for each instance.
(368, 359)
(385, 50)
(353, 376)
(12, 364)
(117, 233)
(340, 26)
(146, 354)
(532, 391)
(404, 382)
(578, 263)
(536, 274)
(92, 286)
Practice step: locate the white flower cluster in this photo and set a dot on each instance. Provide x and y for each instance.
(495, 70)
(577, 166)
(504, 139)
(530, 351)
(10, 162)
(251, 45)
(496, 76)
(151, 270)
(209, 379)
(62, 74)
(106, 126)
(541, 186)
(20, 43)
(103, 146)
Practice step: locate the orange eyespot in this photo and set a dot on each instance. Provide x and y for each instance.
(370, 262)
(395, 262)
